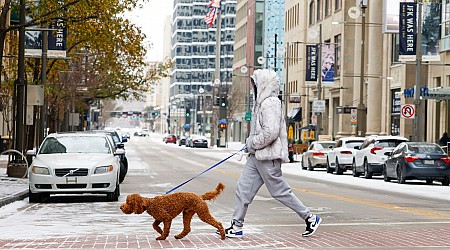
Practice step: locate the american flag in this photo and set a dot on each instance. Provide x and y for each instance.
(211, 15)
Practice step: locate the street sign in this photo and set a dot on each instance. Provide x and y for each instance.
(201, 90)
(318, 106)
(408, 111)
(248, 116)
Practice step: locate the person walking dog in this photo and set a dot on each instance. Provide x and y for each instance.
(267, 146)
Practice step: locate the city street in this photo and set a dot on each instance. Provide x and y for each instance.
(357, 213)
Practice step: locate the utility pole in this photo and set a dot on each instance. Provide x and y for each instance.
(43, 116)
(216, 77)
(417, 125)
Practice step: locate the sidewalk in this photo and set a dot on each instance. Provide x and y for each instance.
(11, 189)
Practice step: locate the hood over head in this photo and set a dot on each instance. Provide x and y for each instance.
(267, 84)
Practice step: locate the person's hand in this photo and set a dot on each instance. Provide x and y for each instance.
(248, 144)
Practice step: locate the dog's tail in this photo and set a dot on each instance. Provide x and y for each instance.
(212, 195)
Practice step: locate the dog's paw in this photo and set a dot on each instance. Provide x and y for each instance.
(179, 236)
(161, 238)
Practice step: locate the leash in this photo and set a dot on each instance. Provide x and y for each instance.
(204, 171)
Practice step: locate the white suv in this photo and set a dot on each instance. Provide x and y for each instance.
(369, 159)
(340, 158)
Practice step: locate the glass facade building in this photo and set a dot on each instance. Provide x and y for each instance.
(274, 35)
(194, 52)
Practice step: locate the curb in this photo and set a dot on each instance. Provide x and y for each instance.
(14, 197)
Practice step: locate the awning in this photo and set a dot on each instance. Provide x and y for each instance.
(309, 127)
(296, 114)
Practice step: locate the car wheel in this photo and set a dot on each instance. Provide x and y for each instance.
(367, 173)
(310, 166)
(386, 178)
(355, 172)
(303, 164)
(34, 197)
(400, 178)
(329, 170)
(122, 173)
(429, 181)
(446, 182)
(114, 196)
(339, 171)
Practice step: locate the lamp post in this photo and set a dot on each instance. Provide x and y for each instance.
(319, 86)
(417, 101)
(361, 111)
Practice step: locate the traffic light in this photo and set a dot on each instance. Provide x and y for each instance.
(188, 112)
(223, 101)
(223, 126)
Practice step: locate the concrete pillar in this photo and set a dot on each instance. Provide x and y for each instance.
(374, 71)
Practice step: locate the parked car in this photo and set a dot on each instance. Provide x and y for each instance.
(74, 163)
(171, 139)
(316, 155)
(417, 160)
(197, 141)
(182, 140)
(141, 132)
(370, 157)
(339, 158)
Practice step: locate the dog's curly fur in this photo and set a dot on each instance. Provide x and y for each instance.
(166, 207)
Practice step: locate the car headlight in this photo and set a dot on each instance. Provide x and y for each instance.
(104, 169)
(40, 170)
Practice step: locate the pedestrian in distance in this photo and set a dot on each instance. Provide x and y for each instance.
(444, 139)
(267, 146)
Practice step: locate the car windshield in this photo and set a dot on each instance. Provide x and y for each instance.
(425, 149)
(324, 145)
(388, 143)
(75, 144)
(353, 144)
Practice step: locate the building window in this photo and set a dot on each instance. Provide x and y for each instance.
(337, 4)
(319, 10)
(395, 48)
(337, 54)
(327, 7)
(311, 12)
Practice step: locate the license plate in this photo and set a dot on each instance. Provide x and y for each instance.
(71, 180)
(428, 162)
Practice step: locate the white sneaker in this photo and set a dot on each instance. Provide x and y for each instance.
(233, 231)
(312, 224)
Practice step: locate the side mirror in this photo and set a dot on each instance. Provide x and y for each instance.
(31, 152)
(330, 147)
(120, 145)
(124, 139)
(357, 147)
(119, 152)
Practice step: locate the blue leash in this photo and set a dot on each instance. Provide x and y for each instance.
(213, 166)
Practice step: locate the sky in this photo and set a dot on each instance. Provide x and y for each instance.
(151, 20)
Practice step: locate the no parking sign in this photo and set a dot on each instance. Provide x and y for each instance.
(408, 111)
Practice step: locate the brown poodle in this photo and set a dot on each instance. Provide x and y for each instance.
(166, 207)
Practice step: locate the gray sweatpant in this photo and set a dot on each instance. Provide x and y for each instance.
(255, 174)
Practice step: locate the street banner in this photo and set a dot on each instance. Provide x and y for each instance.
(312, 58)
(408, 31)
(328, 63)
(431, 24)
(57, 40)
(391, 15)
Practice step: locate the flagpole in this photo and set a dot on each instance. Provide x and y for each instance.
(216, 77)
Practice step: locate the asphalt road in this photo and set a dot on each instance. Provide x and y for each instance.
(352, 216)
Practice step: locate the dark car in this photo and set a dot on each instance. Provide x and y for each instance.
(417, 161)
(170, 139)
(118, 144)
(182, 140)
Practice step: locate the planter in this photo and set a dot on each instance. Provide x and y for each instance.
(17, 170)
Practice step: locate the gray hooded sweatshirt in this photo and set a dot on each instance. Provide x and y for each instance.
(268, 136)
